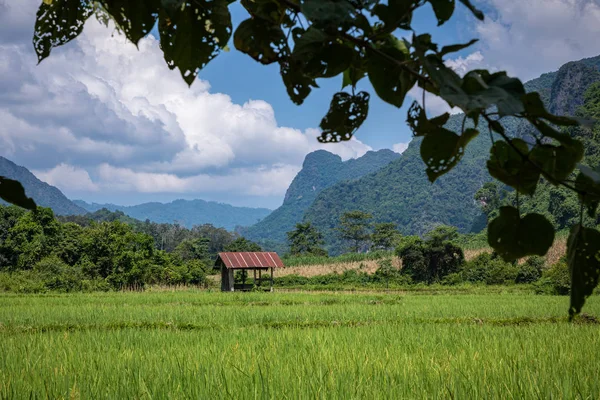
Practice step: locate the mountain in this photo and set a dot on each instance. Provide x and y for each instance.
(401, 192)
(320, 170)
(45, 195)
(187, 213)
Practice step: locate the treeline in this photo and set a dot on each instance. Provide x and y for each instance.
(438, 258)
(104, 251)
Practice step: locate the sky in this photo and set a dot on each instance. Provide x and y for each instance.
(105, 121)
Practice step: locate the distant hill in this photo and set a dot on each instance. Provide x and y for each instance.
(401, 192)
(45, 195)
(321, 169)
(187, 213)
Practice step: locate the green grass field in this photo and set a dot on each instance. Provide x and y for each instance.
(296, 345)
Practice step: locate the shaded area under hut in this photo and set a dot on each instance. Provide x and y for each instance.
(257, 262)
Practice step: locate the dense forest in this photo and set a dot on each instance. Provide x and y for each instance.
(320, 170)
(104, 251)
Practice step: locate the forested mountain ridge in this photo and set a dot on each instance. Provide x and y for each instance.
(187, 213)
(401, 192)
(42, 193)
(320, 170)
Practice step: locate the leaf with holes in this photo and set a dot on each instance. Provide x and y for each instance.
(57, 23)
(390, 80)
(263, 42)
(583, 255)
(419, 123)
(135, 18)
(442, 149)
(12, 192)
(297, 84)
(443, 10)
(346, 114)
(194, 34)
(513, 237)
(509, 167)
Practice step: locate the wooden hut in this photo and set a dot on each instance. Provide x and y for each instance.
(247, 261)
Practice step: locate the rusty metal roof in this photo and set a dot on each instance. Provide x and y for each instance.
(250, 260)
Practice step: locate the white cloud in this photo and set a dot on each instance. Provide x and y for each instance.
(73, 178)
(528, 38)
(400, 147)
(102, 114)
(462, 65)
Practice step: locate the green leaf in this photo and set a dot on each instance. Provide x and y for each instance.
(194, 34)
(473, 9)
(442, 149)
(321, 55)
(509, 167)
(389, 79)
(263, 42)
(328, 13)
(270, 11)
(457, 47)
(443, 10)
(557, 162)
(583, 255)
(396, 14)
(352, 75)
(588, 181)
(534, 108)
(513, 237)
(12, 192)
(346, 114)
(135, 18)
(58, 22)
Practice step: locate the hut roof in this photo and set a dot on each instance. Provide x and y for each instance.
(250, 260)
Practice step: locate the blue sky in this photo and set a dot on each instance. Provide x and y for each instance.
(106, 122)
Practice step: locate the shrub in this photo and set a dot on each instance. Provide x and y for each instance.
(489, 269)
(531, 270)
(57, 275)
(556, 280)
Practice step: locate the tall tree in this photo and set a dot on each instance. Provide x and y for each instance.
(242, 244)
(385, 235)
(355, 227)
(306, 239)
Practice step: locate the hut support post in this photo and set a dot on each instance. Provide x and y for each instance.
(271, 279)
(254, 271)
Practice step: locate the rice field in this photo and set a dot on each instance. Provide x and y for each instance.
(193, 344)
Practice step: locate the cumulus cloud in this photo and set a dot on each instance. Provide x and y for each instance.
(101, 114)
(528, 38)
